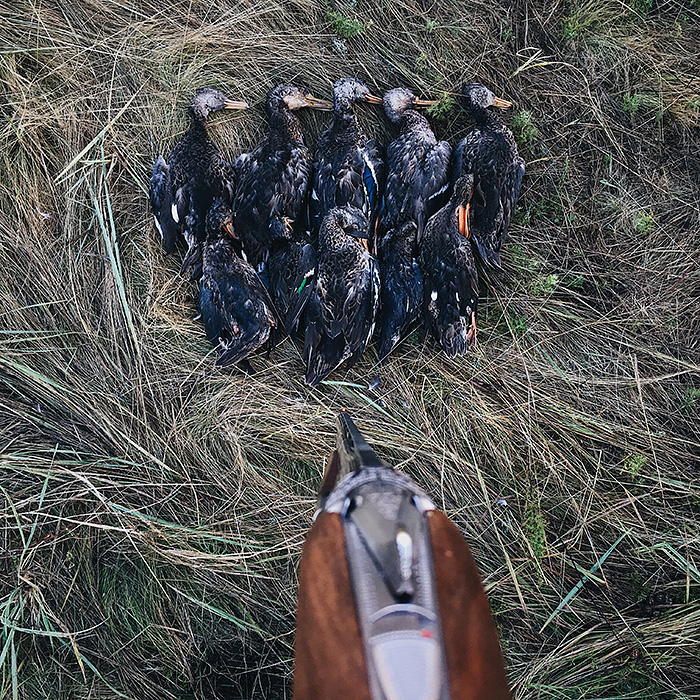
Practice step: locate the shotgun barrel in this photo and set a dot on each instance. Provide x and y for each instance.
(391, 605)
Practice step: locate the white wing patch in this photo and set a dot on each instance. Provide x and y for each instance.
(370, 165)
(173, 212)
(158, 226)
(433, 295)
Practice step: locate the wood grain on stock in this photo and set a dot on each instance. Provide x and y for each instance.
(328, 650)
(474, 661)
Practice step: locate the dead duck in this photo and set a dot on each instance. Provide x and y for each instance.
(273, 179)
(342, 305)
(418, 177)
(489, 153)
(450, 281)
(289, 272)
(183, 187)
(236, 309)
(348, 166)
(417, 165)
(402, 287)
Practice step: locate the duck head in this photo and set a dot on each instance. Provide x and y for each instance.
(352, 221)
(479, 96)
(347, 91)
(292, 97)
(398, 100)
(209, 100)
(220, 221)
(342, 222)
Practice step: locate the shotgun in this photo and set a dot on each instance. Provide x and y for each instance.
(391, 605)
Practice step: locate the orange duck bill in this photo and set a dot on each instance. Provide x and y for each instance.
(235, 104)
(500, 102)
(317, 103)
(463, 219)
(424, 103)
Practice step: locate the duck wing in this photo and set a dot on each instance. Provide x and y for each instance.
(340, 317)
(313, 318)
(236, 310)
(401, 288)
(363, 325)
(222, 185)
(360, 306)
(360, 178)
(510, 191)
(487, 156)
(322, 353)
(272, 185)
(290, 270)
(417, 184)
(161, 195)
(441, 307)
(194, 229)
(290, 189)
(226, 175)
(181, 185)
(374, 173)
(302, 286)
(436, 179)
(450, 284)
(322, 194)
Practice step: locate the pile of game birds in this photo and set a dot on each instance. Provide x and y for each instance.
(328, 247)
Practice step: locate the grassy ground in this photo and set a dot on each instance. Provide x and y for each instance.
(153, 508)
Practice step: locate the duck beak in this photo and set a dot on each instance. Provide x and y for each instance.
(358, 234)
(373, 99)
(499, 102)
(423, 103)
(317, 103)
(229, 229)
(235, 104)
(463, 220)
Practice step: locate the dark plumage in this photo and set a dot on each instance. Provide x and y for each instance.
(417, 164)
(418, 175)
(183, 188)
(401, 289)
(290, 271)
(236, 309)
(349, 167)
(343, 303)
(450, 282)
(490, 154)
(273, 179)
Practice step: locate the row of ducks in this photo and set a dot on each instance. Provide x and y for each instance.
(332, 244)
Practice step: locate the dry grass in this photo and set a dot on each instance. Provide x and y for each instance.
(153, 509)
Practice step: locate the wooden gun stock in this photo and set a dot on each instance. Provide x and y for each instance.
(329, 656)
(331, 646)
(474, 661)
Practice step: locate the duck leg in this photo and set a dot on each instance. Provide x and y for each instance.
(471, 335)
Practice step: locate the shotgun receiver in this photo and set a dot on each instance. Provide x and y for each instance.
(391, 605)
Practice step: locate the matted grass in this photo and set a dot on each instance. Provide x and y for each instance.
(153, 508)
